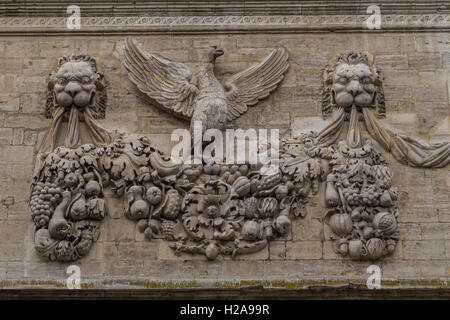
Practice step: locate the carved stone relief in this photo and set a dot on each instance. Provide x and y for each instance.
(217, 209)
(169, 84)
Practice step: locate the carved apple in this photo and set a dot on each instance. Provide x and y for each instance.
(154, 195)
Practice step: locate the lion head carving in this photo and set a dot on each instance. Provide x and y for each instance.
(77, 83)
(353, 79)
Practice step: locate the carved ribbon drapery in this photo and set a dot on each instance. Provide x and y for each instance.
(406, 149)
(98, 135)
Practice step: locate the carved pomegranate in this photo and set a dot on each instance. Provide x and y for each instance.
(341, 224)
(173, 205)
(375, 248)
(385, 222)
(331, 195)
(242, 186)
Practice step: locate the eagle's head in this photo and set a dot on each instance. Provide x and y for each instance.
(214, 52)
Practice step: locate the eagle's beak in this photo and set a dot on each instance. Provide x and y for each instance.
(218, 52)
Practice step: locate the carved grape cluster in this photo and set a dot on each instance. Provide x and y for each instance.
(44, 198)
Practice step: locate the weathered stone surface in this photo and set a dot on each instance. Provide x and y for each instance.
(425, 249)
(416, 90)
(303, 250)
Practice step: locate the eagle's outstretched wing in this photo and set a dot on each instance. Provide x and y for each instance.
(246, 88)
(161, 80)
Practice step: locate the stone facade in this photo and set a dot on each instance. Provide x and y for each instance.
(416, 68)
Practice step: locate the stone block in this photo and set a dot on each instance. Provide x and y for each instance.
(328, 252)
(33, 103)
(124, 269)
(247, 270)
(6, 136)
(24, 48)
(12, 65)
(26, 121)
(9, 103)
(400, 269)
(139, 250)
(303, 250)
(17, 136)
(38, 67)
(425, 61)
(307, 229)
(425, 249)
(15, 270)
(27, 84)
(410, 231)
(277, 250)
(11, 251)
(115, 205)
(120, 230)
(19, 211)
(56, 48)
(197, 269)
(19, 155)
(436, 43)
(435, 231)
(283, 270)
(434, 269)
(401, 122)
(162, 270)
(385, 62)
(444, 214)
(418, 214)
(384, 44)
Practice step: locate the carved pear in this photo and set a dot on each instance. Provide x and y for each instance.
(58, 227)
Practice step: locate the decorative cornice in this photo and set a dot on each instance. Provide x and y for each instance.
(119, 8)
(217, 24)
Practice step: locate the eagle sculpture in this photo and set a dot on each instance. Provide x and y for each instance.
(169, 85)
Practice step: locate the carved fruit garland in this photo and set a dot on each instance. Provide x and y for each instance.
(207, 209)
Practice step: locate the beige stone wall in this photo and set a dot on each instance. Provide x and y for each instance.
(416, 67)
